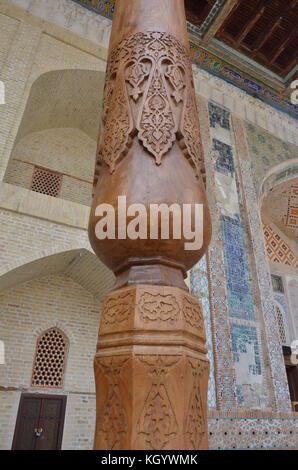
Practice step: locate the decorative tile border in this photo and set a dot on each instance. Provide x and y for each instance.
(252, 432)
(199, 284)
(231, 74)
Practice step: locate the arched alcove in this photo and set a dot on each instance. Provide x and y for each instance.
(57, 137)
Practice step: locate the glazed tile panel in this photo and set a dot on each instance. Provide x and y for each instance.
(239, 291)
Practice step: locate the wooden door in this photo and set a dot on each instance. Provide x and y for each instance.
(40, 422)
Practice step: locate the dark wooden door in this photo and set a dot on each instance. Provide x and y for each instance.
(40, 422)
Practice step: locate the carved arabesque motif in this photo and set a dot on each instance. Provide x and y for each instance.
(113, 423)
(150, 93)
(158, 420)
(192, 134)
(158, 307)
(193, 314)
(118, 126)
(117, 309)
(157, 128)
(196, 418)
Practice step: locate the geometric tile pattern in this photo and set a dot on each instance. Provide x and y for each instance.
(277, 249)
(258, 433)
(271, 331)
(199, 285)
(291, 219)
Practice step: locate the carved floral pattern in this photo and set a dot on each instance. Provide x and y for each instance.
(157, 128)
(113, 422)
(196, 418)
(155, 307)
(158, 420)
(149, 75)
(193, 314)
(192, 134)
(118, 126)
(118, 309)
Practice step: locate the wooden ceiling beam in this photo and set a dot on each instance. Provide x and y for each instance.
(291, 65)
(283, 45)
(266, 34)
(217, 24)
(252, 20)
(275, 22)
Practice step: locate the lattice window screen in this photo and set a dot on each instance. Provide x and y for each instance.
(46, 182)
(50, 359)
(281, 325)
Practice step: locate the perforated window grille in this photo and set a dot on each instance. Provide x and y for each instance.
(50, 359)
(281, 325)
(46, 182)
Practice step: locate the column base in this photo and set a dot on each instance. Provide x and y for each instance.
(151, 371)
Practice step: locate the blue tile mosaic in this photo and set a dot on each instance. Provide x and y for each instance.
(225, 161)
(219, 116)
(241, 337)
(236, 266)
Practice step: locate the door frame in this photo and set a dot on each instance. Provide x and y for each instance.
(41, 396)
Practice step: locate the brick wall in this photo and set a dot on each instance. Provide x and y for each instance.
(28, 310)
(67, 151)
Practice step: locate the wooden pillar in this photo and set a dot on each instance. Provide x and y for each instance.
(151, 368)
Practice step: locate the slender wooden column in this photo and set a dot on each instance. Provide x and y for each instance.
(151, 368)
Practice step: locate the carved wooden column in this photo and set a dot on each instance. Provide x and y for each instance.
(151, 368)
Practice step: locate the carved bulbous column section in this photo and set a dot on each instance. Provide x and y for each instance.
(151, 368)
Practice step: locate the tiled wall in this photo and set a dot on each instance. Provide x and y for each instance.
(278, 250)
(261, 280)
(251, 385)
